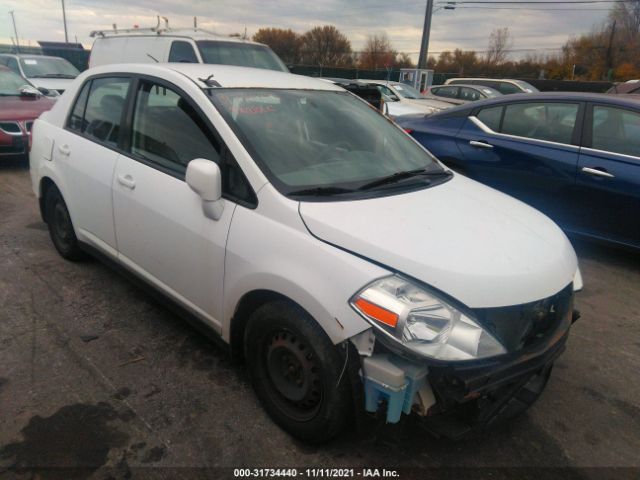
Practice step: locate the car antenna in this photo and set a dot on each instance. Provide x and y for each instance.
(152, 57)
(208, 82)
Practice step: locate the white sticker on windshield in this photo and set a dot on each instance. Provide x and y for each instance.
(398, 87)
(30, 61)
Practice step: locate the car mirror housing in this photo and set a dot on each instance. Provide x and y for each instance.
(204, 177)
(29, 91)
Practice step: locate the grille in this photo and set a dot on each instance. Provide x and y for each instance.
(28, 126)
(12, 128)
(526, 325)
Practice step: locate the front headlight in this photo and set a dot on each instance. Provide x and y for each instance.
(423, 322)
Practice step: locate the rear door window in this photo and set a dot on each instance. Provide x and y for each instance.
(103, 112)
(491, 117)
(449, 92)
(506, 88)
(469, 94)
(76, 119)
(616, 130)
(552, 122)
(182, 52)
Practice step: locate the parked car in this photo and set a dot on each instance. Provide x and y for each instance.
(575, 157)
(502, 85)
(368, 93)
(629, 87)
(314, 237)
(20, 105)
(192, 45)
(52, 75)
(401, 99)
(463, 93)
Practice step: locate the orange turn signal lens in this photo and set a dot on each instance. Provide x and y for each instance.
(380, 314)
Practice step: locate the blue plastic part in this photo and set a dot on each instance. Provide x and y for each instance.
(376, 392)
(415, 375)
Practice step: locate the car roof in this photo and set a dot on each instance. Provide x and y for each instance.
(228, 76)
(620, 100)
(468, 85)
(192, 33)
(509, 80)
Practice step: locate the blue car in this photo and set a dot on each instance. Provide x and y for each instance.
(573, 156)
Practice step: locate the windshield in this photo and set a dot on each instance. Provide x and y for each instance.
(10, 83)
(407, 91)
(241, 54)
(305, 139)
(527, 87)
(48, 67)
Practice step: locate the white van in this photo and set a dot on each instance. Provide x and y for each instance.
(192, 45)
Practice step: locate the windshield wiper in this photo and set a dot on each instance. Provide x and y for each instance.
(321, 191)
(396, 177)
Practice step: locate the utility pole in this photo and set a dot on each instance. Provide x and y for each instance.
(426, 32)
(15, 31)
(610, 52)
(64, 20)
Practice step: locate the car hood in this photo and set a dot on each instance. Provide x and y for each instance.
(474, 243)
(52, 83)
(23, 107)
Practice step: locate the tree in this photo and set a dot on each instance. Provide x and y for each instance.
(377, 53)
(403, 60)
(500, 42)
(627, 16)
(286, 43)
(326, 46)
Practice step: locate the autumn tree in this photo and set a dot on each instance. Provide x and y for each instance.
(500, 42)
(403, 60)
(286, 43)
(326, 45)
(377, 53)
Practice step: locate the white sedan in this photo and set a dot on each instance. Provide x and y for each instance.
(320, 242)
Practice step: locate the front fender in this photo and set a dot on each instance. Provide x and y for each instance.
(267, 253)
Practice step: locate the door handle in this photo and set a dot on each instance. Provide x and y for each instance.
(127, 181)
(64, 150)
(598, 172)
(476, 143)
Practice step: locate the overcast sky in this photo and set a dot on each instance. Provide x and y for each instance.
(466, 28)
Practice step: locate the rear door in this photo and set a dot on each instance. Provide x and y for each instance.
(608, 177)
(87, 151)
(162, 232)
(528, 150)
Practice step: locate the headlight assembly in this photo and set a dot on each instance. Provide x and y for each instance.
(423, 322)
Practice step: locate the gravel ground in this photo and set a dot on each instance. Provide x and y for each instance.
(96, 375)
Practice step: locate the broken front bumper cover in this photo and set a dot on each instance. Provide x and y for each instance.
(477, 395)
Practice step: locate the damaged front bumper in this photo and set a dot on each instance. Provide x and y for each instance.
(456, 398)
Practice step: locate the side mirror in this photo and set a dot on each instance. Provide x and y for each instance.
(29, 91)
(204, 178)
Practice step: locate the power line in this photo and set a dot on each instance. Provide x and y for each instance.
(541, 9)
(538, 2)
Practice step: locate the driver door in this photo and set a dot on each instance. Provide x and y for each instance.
(161, 231)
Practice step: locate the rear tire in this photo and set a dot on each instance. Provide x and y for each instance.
(61, 229)
(299, 376)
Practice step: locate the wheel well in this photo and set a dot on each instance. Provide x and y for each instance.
(248, 304)
(45, 184)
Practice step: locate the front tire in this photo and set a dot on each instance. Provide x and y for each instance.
(299, 376)
(61, 229)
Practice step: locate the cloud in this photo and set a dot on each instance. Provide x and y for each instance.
(463, 28)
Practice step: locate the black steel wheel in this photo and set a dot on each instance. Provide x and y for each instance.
(297, 373)
(61, 229)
